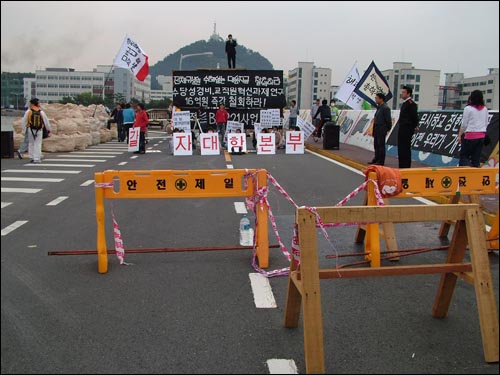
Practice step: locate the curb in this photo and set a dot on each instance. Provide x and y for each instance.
(488, 216)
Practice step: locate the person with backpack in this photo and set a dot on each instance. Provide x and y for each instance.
(34, 121)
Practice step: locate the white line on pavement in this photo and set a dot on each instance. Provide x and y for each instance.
(97, 152)
(92, 155)
(262, 293)
(87, 183)
(282, 366)
(59, 165)
(20, 190)
(44, 171)
(32, 179)
(13, 226)
(230, 166)
(134, 157)
(80, 160)
(56, 201)
(123, 163)
(5, 204)
(240, 208)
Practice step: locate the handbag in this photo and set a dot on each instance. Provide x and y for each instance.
(45, 133)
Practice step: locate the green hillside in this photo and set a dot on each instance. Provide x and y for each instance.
(245, 58)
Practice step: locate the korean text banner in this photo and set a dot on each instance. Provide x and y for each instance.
(132, 57)
(236, 89)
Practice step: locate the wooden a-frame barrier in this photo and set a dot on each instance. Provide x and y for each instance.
(304, 280)
(149, 184)
(428, 182)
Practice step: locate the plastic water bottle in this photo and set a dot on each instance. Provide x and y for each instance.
(245, 231)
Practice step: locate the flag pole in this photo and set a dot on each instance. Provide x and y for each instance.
(104, 87)
(349, 98)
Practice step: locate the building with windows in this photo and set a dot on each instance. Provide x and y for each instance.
(122, 83)
(424, 82)
(52, 84)
(13, 89)
(456, 90)
(307, 83)
(167, 84)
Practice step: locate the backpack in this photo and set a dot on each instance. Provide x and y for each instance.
(36, 121)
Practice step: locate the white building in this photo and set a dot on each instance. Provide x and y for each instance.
(167, 84)
(159, 94)
(457, 88)
(307, 83)
(121, 81)
(29, 89)
(424, 82)
(52, 84)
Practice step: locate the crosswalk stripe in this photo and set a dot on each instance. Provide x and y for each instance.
(20, 190)
(44, 171)
(5, 204)
(56, 201)
(32, 179)
(13, 226)
(59, 165)
(97, 152)
(89, 160)
(87, 155)
(87, 183)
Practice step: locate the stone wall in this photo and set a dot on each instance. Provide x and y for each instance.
(74, 127)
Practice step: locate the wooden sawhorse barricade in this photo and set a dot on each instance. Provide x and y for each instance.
(140, 184)
(304, 280)
(427, 182)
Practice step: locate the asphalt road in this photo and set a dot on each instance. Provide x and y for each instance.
(195, 312)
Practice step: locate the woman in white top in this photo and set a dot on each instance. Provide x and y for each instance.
(473, 130)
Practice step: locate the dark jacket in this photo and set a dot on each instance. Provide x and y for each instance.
(408, 117)
(231, 47)
(325, 112)
(383, 116)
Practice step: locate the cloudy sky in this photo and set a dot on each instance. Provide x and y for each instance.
(446, 36)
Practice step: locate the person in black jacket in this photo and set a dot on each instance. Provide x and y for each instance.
(231, 51)
(408, 122)
(382, 124)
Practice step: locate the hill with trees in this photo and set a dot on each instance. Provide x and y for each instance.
(245, 58)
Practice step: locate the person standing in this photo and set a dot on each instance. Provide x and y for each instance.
(31, 123)
(141, 121)
(408, 122)
(294, 113)
(128, 119)
(334, 110)
(473, 130)
(221, 117)
(382, 124)
(231, 51)
(119, 123)
(314, 109)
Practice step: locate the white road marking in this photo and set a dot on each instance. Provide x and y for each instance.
(20, 190)
(80, 160)
(262, 293)
(44, 171)
(230, 166)
(5, 204)
(59, 165)
(56, 201)
(13, 226)
(282, 366)
(32, 179)
(108, 149)
(87, 183)
(123, 163)
(240, 208)
(134, 157)
(149, 151)
(92, 155)
(97, 152)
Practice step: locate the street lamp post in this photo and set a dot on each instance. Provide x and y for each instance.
(193, 54)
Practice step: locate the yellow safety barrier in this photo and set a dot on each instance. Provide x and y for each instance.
(304, 279)
(427, 182)
(147, 184)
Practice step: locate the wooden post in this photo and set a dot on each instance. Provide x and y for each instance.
(311, 294)
(293, 297)
(262, 233)
(102, 252)
(372, 244)
(483, 284)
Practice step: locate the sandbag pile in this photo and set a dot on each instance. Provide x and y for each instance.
(74, 127)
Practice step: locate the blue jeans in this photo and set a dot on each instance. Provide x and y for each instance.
(221, 129)
(292, 121)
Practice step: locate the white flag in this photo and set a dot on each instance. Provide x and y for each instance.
(346, 93)
(133, 57)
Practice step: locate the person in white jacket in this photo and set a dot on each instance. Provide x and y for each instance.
(35, 135)
(473, 130)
